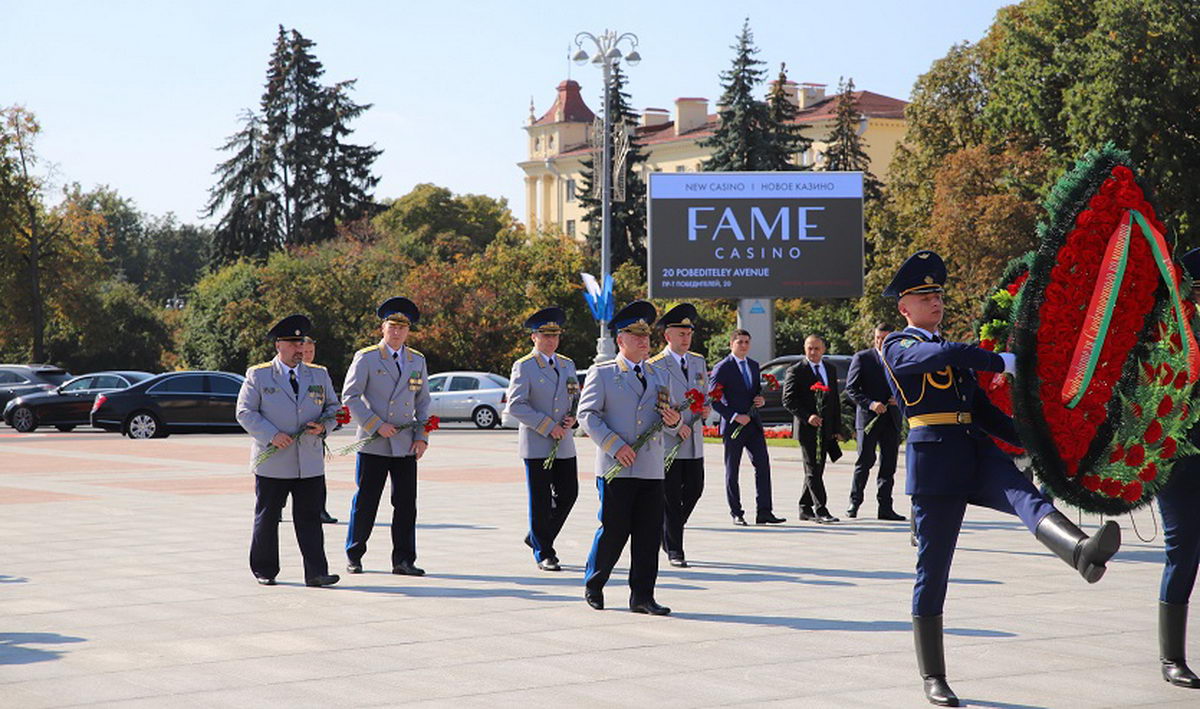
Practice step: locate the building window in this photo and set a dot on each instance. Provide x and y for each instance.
(571, 228)
(570, 190)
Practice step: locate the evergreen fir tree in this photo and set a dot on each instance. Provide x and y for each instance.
(628, 236)
(293, 107)
(846, 147)
(347, 180)
(787, 136)
(743, 138)
(250, 225)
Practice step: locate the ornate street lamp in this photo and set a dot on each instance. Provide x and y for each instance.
(607, 53)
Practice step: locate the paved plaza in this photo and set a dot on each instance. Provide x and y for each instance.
(124, 582)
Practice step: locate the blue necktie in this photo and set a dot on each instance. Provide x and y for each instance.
(745, 373)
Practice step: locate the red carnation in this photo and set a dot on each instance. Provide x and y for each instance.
(1165, 406)
(772, 382)
(1181, 379)
(1118, 452)
(818, 386)
(1091, 482)
(1135, 455)
(988, 344)
(1149, 472)
(1153, 432)
(1148, 371)
(1167, 374)
(343, 415)
(1168, 448)
(432, 424)
(1111, 487)
(1132, 492)
(717, 392)
(1137, 410)
(1176, 342)
(695, 401)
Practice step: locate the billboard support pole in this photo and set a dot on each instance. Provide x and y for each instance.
(757, 316)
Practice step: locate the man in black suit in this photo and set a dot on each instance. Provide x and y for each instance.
(737, 375)
(810, 421)
(868, 388)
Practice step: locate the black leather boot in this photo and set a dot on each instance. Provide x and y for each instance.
(1087, 554)
(931, 660)
(1172, 645)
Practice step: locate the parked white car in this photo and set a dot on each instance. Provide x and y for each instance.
(478, 397)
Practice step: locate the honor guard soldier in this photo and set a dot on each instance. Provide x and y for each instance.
(684, 478)
(387, 392)
(621, 401)
(285, 405)
(543, 393)
(952, 461)
(1179, 502)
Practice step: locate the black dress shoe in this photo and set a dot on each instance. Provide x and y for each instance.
(806, 514)
(265, 580)
(595, 599)
(768, 518)
(407, 568)
(739, 520)
(549, 564)
(354, 567)
(327, 519)
(826, 518)
(650, 608)
(678, 561)
(938, 692)
(891, 516)
(852, 511)
(326, 580)
(528, 541)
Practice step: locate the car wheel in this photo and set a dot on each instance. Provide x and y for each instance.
(485, 417)
(143, 424)
(65, 428)
(23, 419)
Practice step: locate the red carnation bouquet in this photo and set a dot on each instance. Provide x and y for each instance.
(819, 391)
(692, 399)
(695, 404)
(428, 426)
(271, 450)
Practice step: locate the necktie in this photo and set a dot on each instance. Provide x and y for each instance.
(557, 376)
(683, 366)
(295, 384)
(745, 373)
(637, 369)
(396, 359)
(817, 372)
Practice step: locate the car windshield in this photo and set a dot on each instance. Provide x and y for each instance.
(135, 377)
(499, 380)
(53, 376)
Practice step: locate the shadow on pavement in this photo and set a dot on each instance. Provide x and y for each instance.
(13, 650)
(13, 579)
(998, 705)
(869, 626)
(443, 592)
(836, 573)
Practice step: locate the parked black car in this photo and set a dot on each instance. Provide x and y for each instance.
(18, 379)
(176, 402)
(68, 405)
(773, 412)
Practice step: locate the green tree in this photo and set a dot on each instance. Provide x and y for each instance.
(117, 313)
(249, 227)
(628, 225)
(348, 182)
(787, 139)
(846, 151)
(742, 140)
(431, 222)
(1072, 75)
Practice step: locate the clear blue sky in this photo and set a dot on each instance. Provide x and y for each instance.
(138, 95)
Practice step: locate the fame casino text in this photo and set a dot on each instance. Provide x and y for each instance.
(787, 224)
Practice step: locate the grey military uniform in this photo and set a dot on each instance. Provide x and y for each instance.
(266, 406)
(539, 397)
(614, 411)
(378, 392)
(697, 378)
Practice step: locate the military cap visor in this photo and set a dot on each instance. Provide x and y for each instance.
(400, 310)
(548, 321)
(637, 318)
(923, 272)
(293, 328)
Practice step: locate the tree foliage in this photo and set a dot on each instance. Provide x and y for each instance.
(847, 150)
(743, 138)
(787, 139)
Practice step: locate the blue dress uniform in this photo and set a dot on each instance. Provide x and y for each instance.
(387, 387)
(952, 461)
(280, 398)
(619, 403)
(1179, 502)
(542, 391)
(684, 480)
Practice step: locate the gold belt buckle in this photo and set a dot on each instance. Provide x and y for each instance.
(963, 417)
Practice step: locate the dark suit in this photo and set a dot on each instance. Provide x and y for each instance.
(866, 384)
(801, 401)
(739, 399)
